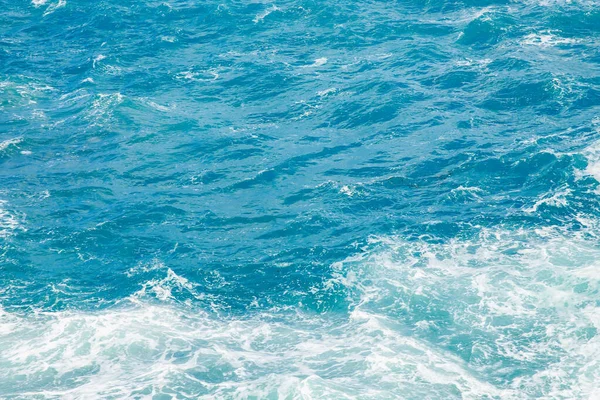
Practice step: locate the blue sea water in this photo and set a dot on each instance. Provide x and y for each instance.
(300, 199)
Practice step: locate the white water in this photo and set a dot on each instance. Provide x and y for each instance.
(508, 315)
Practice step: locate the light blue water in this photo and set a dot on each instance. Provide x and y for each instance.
(299, 199)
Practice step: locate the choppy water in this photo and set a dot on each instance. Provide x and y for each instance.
(300, 199)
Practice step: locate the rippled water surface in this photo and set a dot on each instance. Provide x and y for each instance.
(299, 199)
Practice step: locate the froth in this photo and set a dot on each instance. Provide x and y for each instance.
(150, 350)
(506, 314)
(9, 221)
(518, 307)
(260, 17)
(10, 142)
(592, 153)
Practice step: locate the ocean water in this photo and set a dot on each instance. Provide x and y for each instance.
(299, 199)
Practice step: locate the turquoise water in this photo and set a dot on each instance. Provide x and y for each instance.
(299, 199)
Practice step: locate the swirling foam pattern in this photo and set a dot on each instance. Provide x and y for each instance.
(300, 199)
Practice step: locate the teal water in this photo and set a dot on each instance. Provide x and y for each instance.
(299, 199)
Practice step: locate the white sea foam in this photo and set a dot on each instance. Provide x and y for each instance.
(54, 6)
(592, 153)
(104, 106)
(204, 76)
(482, 64)
(348, 190)
(159, 107)
(466, 192)
(591, 4)
(162, 288)
(260, 17)
(10, 142)
(546, 39)
(9, 221)
(557, 199)
(530, 294)
(327, 92)
(97, 59)
(24, 92)
(507, 314)
(151, 350)
(318, 62)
